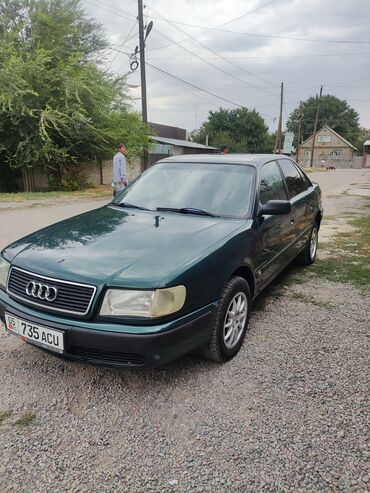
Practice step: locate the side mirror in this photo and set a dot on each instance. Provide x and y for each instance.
(275, 208)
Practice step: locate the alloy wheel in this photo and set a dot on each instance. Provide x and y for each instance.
(235, 319)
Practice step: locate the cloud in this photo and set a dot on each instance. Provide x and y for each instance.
(262, 62)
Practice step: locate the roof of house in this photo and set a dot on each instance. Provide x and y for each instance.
(334, 132)
(180, 143)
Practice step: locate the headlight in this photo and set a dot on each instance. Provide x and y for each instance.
(149, 304)
(4, 270)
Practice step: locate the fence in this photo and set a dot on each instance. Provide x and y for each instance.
(340, 163)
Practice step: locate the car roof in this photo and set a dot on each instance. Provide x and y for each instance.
(251, 159)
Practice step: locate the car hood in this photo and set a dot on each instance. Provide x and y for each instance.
(120, 246)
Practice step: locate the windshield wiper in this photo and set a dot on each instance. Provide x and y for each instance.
(127, 205)
(187, 210)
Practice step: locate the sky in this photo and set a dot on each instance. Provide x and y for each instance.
(240, 51)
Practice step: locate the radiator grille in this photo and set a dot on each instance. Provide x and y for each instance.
(71, 297)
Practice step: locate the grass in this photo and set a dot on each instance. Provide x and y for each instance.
(349, 259)
(350, 214)
(314, 170)
(26, 420)
(312, 300)
(89, 193)
(4, 415)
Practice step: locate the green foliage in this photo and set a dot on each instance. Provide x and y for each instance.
(362, 137)
(335, 113)
(70, 180)
(242, 130)
(4, 415)
(8, 179)
(58, 107)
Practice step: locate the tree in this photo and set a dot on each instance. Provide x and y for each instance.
(58, 106)
(242, 130)
(362, 137)
(335, 113)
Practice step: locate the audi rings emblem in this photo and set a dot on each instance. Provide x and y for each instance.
(41, 291)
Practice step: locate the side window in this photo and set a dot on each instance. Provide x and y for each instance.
(272, 184)
(304, 176)
(296, 184)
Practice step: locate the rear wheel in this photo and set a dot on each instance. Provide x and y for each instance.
(231, 321)
(308, 256)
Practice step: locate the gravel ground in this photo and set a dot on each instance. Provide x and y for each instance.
(289, 413)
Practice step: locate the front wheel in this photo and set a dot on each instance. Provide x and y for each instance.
(308, 255)
(231, 321)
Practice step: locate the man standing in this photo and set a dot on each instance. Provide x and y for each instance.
(119, 170)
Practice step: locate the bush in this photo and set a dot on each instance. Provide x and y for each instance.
(73, 179)
(8, 179)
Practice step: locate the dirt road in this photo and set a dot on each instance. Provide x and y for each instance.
(289, 413)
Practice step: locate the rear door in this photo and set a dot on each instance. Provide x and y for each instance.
(302, 198)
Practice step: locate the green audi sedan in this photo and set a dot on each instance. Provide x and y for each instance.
(169, 267)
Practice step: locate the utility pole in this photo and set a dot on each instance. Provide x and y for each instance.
(278, 134)
(144, 110)
(299, 131)
(315, 127)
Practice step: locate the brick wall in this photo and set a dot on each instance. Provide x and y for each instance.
(133, 170)
(92, 173)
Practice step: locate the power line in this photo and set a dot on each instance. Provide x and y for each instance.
(216, 53)
(244, 15)
(215, 66)
(267, 57)
(204, 90)
(112, 9)
(273, 36)
(217, 28)
(193, 85)
(189, 51)
(187, 88)
(122, 45)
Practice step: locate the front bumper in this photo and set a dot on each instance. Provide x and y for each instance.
(115, 345)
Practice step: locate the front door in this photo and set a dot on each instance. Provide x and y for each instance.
(276, 232)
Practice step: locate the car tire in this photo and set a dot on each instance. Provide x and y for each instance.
(228, 330)
(308, 255)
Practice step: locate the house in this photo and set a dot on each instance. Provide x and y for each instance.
(173, 141)
(329, 147)
(366, 155)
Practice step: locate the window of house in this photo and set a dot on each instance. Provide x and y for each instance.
(272, 185)
(324, 138)
(307, 153)
(296, 184)
(336, 153)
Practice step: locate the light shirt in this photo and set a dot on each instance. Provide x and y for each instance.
(119, 168)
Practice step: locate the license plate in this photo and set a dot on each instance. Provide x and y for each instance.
(36, 334)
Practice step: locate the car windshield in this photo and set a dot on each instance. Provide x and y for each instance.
(217, 189)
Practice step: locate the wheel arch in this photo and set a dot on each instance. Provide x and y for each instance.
(246, 273)
(318, 219)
